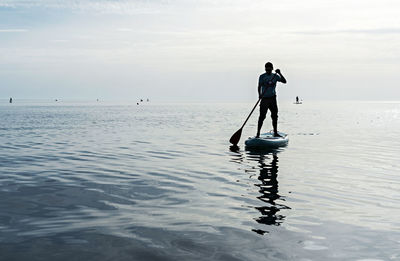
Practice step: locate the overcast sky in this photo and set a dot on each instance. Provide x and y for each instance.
(189, 50)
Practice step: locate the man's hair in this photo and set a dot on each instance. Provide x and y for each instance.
(269, 65)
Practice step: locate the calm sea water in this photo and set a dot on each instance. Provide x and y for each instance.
(102, 181)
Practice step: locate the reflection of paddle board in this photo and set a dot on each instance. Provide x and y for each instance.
(267, 140)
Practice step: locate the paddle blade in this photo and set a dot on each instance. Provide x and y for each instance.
(236, 137)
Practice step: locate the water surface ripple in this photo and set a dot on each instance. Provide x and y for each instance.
(119, 181)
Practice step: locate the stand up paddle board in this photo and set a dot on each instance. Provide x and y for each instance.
(267, 140)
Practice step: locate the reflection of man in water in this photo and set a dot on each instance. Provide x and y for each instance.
(268, 188)
(269, 192)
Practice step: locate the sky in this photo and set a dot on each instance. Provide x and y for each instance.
(205, 50)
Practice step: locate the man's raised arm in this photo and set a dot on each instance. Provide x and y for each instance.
(283, 79)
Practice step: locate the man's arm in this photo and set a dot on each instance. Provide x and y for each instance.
(283, 79)
(259, 87)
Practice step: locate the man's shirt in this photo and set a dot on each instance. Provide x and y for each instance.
(268, 84)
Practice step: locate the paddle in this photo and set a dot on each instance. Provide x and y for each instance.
(236, 136)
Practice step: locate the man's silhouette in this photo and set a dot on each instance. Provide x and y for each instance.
(266, 91)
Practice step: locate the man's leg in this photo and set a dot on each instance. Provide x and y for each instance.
(274, 117)
(263, 113)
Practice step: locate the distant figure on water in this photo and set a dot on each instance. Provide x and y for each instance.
(297, 99)
(266, 91)
(10, 100)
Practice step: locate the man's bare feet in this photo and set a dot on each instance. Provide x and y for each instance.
(258, 135)
(276, 134)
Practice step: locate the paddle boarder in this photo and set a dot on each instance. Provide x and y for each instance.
(267, 94)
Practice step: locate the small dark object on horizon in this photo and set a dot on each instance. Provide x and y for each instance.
(10, 100)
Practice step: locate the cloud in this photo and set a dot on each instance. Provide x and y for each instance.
(13, 30)
(129, 7)
(59, 41)
(91, 39)
(350, 31)
(124, 29)
(98, 6)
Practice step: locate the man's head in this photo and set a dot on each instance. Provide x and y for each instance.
(269, 67)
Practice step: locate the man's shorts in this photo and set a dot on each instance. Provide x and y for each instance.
(269, 104)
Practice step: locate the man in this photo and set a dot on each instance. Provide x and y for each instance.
(266, 91)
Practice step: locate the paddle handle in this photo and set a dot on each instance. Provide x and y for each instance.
(259, 99)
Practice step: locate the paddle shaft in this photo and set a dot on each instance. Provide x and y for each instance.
(259, 99)
(248, 117)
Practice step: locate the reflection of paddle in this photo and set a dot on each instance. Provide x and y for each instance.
(236, 136)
